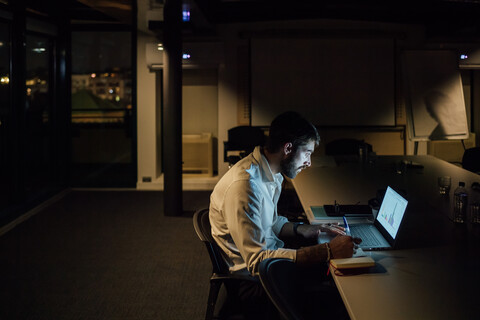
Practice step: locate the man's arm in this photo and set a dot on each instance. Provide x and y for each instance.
(339, 247)
(288, 231)
(308, 231)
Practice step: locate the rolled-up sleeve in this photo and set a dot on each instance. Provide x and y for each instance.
(278, 225)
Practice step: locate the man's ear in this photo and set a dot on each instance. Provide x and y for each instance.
(287, 148)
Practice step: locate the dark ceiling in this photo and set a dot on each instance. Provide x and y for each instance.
(420, 11)
(448, 18)
(95, 11)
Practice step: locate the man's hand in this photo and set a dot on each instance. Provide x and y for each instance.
(343, 246)
(340, 247)
(313, 231)
(332, 229)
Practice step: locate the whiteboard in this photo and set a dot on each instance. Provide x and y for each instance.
(339, 82)
(434, 95)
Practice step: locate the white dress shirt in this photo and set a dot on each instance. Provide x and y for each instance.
(243, 214)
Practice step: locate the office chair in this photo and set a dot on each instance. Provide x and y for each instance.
(343, 147)
(278, 278)
(471, 160)
(220, 273)
(242, 140)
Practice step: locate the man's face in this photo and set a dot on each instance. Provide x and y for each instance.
(297, 161)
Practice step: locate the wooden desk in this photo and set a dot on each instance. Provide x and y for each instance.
(436, 272)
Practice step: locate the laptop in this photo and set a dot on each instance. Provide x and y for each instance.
(383, 232)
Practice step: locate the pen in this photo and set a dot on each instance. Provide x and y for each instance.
(347, 227)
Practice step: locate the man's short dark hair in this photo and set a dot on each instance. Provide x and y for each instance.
(291, 127)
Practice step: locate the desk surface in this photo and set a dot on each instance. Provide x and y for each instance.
(436, 273)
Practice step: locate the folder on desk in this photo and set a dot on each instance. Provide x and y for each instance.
(355, 262)
(318, 213)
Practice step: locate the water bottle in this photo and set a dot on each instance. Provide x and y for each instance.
(475, 204)
(460, 202)
(361, 153)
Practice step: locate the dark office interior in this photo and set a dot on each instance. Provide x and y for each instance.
(108, 144)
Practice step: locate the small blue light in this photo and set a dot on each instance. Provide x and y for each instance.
(186, 56)
(186, 15)
(463, 56)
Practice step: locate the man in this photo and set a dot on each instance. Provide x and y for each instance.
(243, 205)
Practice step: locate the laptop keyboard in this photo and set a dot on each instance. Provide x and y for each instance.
(363, 232)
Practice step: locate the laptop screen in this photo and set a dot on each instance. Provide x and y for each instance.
(391, 211)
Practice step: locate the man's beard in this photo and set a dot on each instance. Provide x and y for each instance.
(288, 167)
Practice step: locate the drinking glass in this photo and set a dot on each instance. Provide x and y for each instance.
(475, 212)
(444, 184)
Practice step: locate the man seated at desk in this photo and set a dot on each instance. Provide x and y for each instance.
(243, 210)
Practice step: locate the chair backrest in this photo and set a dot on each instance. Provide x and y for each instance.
(346, 147)
(278, 278)
(471, 159)
(201, 223)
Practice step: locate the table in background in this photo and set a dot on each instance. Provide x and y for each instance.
(436, 272)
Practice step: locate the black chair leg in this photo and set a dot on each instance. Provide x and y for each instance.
(212, 298)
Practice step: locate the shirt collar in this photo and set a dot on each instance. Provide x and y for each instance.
(265, 166)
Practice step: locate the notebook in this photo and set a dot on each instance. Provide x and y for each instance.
(383, 232)
(352, 263)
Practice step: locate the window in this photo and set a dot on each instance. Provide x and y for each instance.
(5, 111)
(102, 146)
(38, 108)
